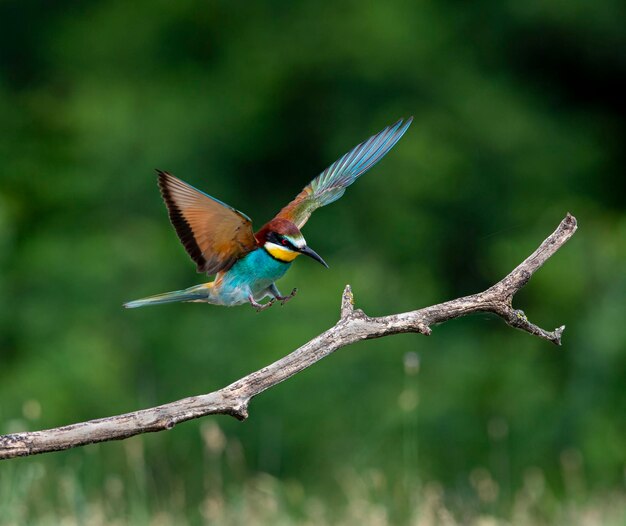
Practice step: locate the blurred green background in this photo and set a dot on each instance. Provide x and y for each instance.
(518, 119)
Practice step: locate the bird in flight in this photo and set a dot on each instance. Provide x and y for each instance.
(221, 241)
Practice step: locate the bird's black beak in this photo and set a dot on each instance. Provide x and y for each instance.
(314, 255)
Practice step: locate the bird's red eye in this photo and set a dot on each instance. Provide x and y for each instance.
(284, 242)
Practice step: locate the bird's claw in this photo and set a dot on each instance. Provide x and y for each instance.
(262, 306)
(285, 299)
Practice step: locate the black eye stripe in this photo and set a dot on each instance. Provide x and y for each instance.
(273, 238)
(277, 239)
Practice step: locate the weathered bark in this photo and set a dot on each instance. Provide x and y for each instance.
(354, 325)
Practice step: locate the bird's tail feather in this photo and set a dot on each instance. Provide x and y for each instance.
(199, 292)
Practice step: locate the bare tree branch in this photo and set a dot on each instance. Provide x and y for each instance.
(354, 325)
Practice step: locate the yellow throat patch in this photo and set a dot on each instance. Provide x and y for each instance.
(280, 253)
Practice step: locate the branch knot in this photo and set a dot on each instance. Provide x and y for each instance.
(347, 303)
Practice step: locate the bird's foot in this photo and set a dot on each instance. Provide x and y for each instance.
(285, 299)
(261, 306)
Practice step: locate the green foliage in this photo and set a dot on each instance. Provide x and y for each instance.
(249, 101)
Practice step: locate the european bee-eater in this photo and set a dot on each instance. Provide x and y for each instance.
(246, 265)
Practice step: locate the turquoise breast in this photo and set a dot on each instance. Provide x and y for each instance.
(252, 274)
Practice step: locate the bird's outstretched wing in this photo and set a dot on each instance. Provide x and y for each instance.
(214, 234)
(332, 182)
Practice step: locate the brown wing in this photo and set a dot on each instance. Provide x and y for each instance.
(331, 184)
(213, 234)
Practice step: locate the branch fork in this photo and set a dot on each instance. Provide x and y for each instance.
(353, 325)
